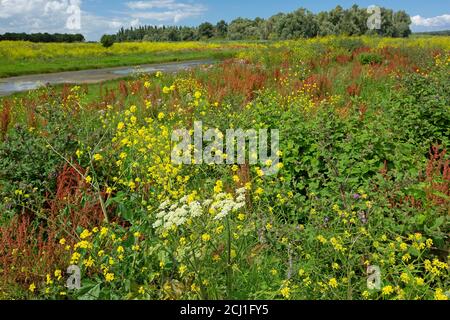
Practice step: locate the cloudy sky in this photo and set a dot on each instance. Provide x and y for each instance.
(97, 17)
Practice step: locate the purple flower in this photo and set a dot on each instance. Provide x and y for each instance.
(356, 196)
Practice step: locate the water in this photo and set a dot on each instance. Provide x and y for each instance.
(30, 82)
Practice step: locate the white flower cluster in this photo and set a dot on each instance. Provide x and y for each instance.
(178, 213)
(224, 205)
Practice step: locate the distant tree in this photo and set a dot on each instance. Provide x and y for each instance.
(221, 29)
(206, 30)
(107, 40)
(402, 21)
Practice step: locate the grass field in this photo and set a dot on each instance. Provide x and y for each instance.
(19, 57)
(362, 182)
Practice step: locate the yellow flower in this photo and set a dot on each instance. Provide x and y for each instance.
(120, 249)
(85, 234)
(88, 262)
(98, 157)
(88, 179)
(268, 226)
(241, 217)
(404, 277)
(197, 95)
(103, 231)
(161, 115)
(439, 295)
(79, 153)
(285, 292)
(366, 294)
(62, 241)
(141, 290)
(120, 126)
(333, 283)
(218, 186)
(109, 277)
(206, 237)
(49, 279)
(274, 272)
(419, 281)
(182, 269)
(58, 274)
(387, 290)
(32, 287)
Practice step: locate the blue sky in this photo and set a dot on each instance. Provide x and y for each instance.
(97, 17)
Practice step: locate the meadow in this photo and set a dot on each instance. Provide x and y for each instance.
(22, 57)
(86, 176)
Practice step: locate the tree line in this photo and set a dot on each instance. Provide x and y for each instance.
(42, 37)
(301, 23)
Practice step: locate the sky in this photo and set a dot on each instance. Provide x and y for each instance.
(93, 18)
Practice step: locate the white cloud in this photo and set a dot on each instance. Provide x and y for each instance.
(55, 16)
(438, 21)
(166, 10)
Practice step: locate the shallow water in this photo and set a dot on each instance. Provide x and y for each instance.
(30, 82)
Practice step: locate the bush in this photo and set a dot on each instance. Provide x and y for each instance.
(107, 40)
(370, 58)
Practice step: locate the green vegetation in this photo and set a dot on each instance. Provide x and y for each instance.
(86, 179)
(283, 26)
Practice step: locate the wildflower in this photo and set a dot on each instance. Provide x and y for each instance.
(333, 283)
(419, 281)
(32, 287)
(406, 257)
(62, 241)
(166, 90)
(158, 74)
(79, 153)
(85, 234)
(120, 126)
(147, 84)
(58, 274)
(109, 277)
(88, 179)
(439, 295)
(182, 269)
(387, 290)
(120, 249)
(141, 290)
(49, 279)
(218, 186)
(101, 253)
(285, 292)
(197, 95)
(216, 258)
(135, 247)
(241, 217)
(268, 226)
(75, 257)
(161, 115)
(404, 277)
(219, 229)
(98, 157)
(88, 262)
(103, 231)
(206, 237)
(366, 294)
